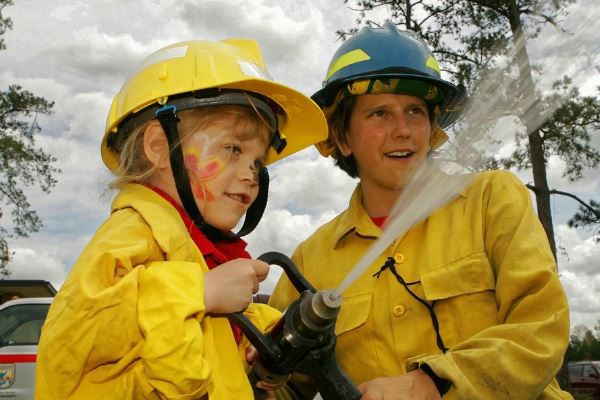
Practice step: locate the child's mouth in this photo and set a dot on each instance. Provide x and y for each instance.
(240, 197)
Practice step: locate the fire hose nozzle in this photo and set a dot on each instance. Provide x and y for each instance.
(321, 309)
(302, 341)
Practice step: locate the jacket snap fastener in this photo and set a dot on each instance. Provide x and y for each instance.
(398, 311)
(399, 258)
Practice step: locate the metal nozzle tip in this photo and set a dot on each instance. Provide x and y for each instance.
(332, 299)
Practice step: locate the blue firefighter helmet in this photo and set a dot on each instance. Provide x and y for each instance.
(388, 55)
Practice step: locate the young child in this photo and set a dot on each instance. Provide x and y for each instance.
(140, 315)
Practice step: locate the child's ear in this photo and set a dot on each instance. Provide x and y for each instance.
(156, 145)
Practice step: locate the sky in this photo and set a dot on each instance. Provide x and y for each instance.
(78, 53)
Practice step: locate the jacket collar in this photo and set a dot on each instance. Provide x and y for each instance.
(355, 219)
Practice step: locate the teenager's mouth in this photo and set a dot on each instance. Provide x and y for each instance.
(241, 197)
(400, 154)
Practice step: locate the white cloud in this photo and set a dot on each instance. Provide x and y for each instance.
(579, 264)
(32, 264)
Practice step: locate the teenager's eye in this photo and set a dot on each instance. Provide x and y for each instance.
(378, 113)
(417, 110)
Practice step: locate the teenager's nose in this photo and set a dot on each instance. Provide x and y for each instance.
(400, 128)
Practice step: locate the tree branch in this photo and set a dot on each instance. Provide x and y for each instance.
(554, 191)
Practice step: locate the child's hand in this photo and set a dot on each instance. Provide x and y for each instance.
(229, 287)
(270, 388)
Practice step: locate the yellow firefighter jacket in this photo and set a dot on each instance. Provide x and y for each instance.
(484, 263)
(130, 322)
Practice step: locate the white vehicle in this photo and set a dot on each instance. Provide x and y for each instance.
(21, 321)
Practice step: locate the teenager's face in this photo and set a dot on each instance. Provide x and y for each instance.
(223, 162)
(388, 136)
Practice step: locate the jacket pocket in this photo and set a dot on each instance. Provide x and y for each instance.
(355, 350)
(354, 313)
(464, 295)
(470, 274)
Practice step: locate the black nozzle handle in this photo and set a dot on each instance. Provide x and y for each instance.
(334, 384)
(330, 379)
(299, 282)
(263, 343)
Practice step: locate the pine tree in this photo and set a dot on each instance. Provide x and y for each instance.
(22, 164)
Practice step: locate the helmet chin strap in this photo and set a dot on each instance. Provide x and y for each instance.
(167, 116)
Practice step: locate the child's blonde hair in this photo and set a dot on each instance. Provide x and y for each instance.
(246, 123)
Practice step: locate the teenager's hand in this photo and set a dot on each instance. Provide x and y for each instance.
(414, 385)
(229, 287)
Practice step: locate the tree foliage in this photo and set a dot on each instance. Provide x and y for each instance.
(584, 344)
(5, 23)
(567, 133)
(588, 215)
(22, 163)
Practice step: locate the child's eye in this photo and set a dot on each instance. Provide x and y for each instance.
(233, 149)
(259, 164)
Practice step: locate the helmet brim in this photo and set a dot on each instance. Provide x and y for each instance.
(326, 96)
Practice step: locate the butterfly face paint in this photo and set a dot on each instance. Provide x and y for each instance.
(206, 155)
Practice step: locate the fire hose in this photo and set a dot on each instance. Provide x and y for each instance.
(302, 341)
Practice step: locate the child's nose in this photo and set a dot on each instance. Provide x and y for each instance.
(248, 172)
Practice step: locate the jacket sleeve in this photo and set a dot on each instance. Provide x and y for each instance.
(518, 357)
(170, 310)
(126, 323)
(262, 317)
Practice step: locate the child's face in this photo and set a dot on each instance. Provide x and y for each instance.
(223, 161)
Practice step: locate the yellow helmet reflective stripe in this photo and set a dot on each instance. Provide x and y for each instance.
(228, 64)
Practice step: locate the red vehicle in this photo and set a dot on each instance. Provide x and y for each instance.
(585, 377)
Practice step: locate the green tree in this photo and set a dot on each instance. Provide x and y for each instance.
(575, 350)
(471, 38)
(22, 164)
(584, 346)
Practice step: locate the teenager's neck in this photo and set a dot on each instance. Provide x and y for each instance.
(378, 202)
